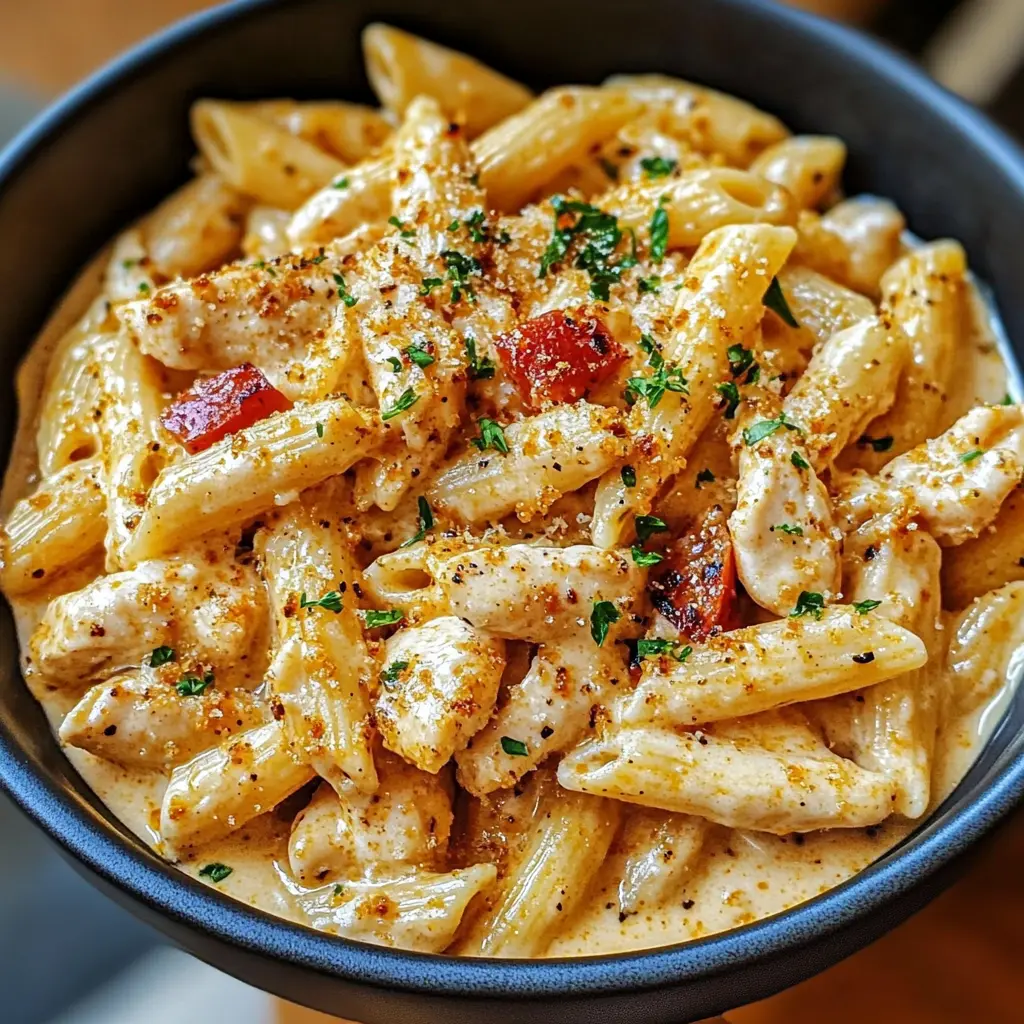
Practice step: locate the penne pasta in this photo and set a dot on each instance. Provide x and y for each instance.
(759, 668)
(729, 776)
(401, 67)
(238, 478)
(807, 166)
(225, 787)
(258, 158)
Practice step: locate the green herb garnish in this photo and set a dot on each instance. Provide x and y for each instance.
(161, 656)
(863, 607)
(514, 748)
(390, 675)
(808, 603)
(420, 356)
(765, 428)
(425, 520)
(794, 531)
(731, 394)
(216, 873)
(645, 558)
(628, 474)
(343, 292)
(491, 436)
(658, 167)
(374, 619)
(478, 370)
(799, 461)
(647, 525)
(775, 300)
(460, 269)
(601, 618)
(659, 232)
(656, 648)
(406, 400)
(972, 455)
(193, 686)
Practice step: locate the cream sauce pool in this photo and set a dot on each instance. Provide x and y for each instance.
(742, 875)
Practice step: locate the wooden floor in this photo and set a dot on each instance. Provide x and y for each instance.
(959, 961)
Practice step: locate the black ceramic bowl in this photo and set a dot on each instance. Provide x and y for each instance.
(120, 142)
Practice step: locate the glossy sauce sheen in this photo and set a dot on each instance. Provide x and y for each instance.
(742, 876)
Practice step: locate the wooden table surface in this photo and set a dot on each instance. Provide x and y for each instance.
(959, 960)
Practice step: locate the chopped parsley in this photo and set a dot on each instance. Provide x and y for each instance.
(658, 167)
(793, 531)
(972, 455)
(645, 558)
(216, 873)
(144, 287)
(340, 183)
(808, 603)
(403, 231)
(338, 890)
(775, 300)
(646, 525)
(319, 429)
(765, 428)
(740, 359)
(799, 461)
(514, 748)
(475, 226)
(343, 292)
(731, 394)
(455, 225)
(601, 618)
(430, 283)
(628, 474)
(863, 607)
(649, 284)
(653, 388)
(1007, 399)
(879, 444)
(600, 234)
(395, 363)
(659, 232)
(390, 674)
(389, 618)
(611, 170)
(161, 656)
(425, 520)
(193, 686)
(460, 269)
(406, 400)
(482, 369)
(656, 648)
(331, 601)
(420, 356)
(491, 436)
(705, 476)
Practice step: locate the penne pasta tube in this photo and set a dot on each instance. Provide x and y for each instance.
(525, 151)
(444, 695)
(730, 272)
(147, 724)
(661, 852)
(137, 450)
(710, 121)
(227, 786)
(421, 912)
(256, 157)
(762, 667)
(869, 231)
(985, 648)
(402, 66)
(349, 131)
(322, 673)
(699, 201)
(925, 295)
(198, 228)
(851, 379)
(731, 779)
(236, 479)
(549, 455)
(807, 166)
(54, 528)
(71, 406)
(564, 850)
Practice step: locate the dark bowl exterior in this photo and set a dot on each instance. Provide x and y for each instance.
(119, 142)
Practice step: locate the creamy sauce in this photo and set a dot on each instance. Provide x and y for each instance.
(741, 876)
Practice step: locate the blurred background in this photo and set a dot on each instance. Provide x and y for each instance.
(69, 956)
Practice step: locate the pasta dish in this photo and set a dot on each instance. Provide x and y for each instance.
(518, 525)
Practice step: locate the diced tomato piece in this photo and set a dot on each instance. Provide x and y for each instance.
(217, 406)
(559, 356)
(695, 586)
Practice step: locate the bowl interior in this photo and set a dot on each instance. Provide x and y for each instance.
(119, 143)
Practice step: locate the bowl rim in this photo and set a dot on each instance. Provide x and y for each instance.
(112, 854)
